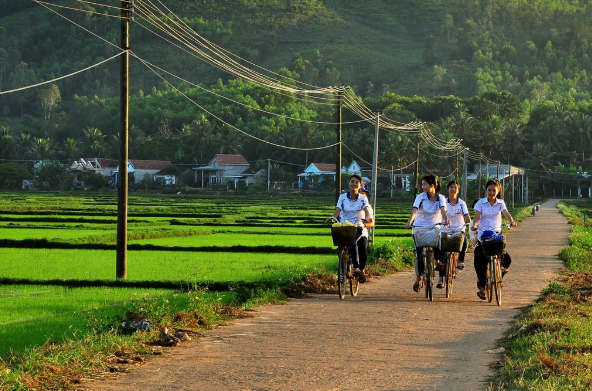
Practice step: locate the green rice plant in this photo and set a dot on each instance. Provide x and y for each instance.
(47, 264)
(34, 314)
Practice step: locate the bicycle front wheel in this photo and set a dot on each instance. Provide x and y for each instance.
(354, 281)
(342, 273)
(451, 259)
(429, 270)
(497, 280)
(490, 277)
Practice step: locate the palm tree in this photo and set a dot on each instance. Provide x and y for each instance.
(25, 144)
(43, 148)
(228, 141)
(69, 149)
(94, 141)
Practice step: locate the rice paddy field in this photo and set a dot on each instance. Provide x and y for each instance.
(58, 257)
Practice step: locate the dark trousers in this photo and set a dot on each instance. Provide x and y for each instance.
(359, 251)
(481, 265)
(419, 266)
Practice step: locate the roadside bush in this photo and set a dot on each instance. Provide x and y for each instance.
(95, 181)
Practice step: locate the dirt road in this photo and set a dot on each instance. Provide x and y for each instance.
(388, 338)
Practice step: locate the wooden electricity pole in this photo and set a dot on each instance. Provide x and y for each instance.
(122, 185)
(339, 143)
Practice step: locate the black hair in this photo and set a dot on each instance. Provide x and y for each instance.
(452, 183)
(359, 178)
(475, 202)
(498, 185)
(433, 181)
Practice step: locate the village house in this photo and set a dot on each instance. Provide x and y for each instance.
(225, 169)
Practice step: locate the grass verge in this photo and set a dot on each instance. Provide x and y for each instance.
(549, 347)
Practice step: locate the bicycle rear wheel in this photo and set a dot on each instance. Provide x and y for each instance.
(354, 281)
(342, 272)
(451, 259)
(490, 277)
(497, 280)
(429, 269)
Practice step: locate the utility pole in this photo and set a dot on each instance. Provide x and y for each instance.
(375, 170)
(480, 175)
(416, 188)
(339, 143)
(465, 175)
(123, 180)
(268, 173)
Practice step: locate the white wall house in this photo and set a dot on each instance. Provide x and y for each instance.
(221, 169)
(138, 169)
(84, 166)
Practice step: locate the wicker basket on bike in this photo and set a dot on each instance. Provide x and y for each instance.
(344, 235)
(492, 243)
(426, 236)
(452, 241)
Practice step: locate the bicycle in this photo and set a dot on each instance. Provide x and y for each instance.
(343, 237)
(427, 238)
(451, 243)
(494, 247)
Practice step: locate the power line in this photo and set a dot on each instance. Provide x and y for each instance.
(61, 77)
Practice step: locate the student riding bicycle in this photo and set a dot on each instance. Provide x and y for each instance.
(428, 209)
(354, 207)
(488, 216)
(458, 214)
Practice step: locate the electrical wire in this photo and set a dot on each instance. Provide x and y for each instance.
(232, 126)
(61, 77)
(76, 9)
(237, 102)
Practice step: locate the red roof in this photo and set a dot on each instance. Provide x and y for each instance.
(104, 163)
(230, 159)
(325, 166)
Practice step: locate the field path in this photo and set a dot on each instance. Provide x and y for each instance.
(388, 338)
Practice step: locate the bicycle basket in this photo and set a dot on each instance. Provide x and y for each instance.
(344, 235)
(494, 246)
(452, 242)
(426, 236)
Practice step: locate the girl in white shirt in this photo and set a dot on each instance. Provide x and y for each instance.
(354, 206)
(428, 209)
(488, 215)
(458, 214)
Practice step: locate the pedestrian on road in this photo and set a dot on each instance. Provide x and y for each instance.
(458, 214)
(428, 209)
(488, 215)
(354, 207)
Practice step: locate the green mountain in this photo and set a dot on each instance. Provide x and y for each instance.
(537, 51)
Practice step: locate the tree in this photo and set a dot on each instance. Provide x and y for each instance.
(51, 174)
(49, 99)
(12, 175)
(43, 148)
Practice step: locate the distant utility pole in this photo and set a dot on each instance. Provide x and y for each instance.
(375, 170)
(416, 188)
(123, 181)
(465, 175)
(339, 143)
(268, 173)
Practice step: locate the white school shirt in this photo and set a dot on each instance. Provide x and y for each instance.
(353, 211)
(491, 215)
(456, 213)
(428, 211)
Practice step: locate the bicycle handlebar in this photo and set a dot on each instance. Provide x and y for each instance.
(504, 226)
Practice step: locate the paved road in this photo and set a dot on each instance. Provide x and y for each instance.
(388, 338)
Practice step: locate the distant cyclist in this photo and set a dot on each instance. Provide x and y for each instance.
(428, 209)
(458, 214)
(354, 206)
(488, 215)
